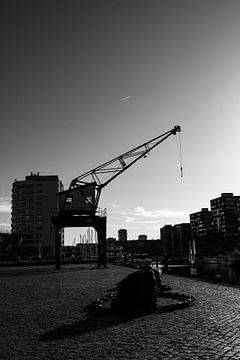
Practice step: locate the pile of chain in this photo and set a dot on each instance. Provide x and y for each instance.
(184, 301)
(97, 305)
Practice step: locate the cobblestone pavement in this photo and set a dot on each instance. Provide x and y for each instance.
(42, 316)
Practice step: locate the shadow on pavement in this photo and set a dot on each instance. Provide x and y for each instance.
(93, 322)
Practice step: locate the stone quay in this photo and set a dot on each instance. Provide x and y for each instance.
(43, 316)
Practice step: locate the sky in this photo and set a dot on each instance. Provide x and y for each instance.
(84, 81)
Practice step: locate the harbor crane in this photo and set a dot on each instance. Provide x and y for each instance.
(78, 205)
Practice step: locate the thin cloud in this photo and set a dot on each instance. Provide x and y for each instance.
(129, 219)
(115, 206)
(113, 226)
(5, 205)
(132, 220)
(159, 214)
(5, 199)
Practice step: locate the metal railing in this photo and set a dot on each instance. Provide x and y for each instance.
(55, 212)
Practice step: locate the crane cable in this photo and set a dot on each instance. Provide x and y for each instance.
(180, 153)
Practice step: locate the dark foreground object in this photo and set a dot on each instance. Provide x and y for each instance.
(138, 294)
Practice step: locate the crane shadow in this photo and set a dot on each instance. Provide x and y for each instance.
(92, 322)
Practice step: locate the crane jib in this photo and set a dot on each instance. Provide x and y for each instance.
(89, 185)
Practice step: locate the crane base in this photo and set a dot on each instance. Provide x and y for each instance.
(99, 223)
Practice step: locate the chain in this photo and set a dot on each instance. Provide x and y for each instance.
(184, 301)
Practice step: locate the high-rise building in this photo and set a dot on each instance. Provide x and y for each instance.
(33, 200)
(202, 223)
(176, 240)
(167, 239)
(182, 239)
(225, 212)
(122, 235)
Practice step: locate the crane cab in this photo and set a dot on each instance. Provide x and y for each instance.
(78, 201)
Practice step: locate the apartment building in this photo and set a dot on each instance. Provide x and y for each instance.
(202, 223)
(32, 202)
(225, 213)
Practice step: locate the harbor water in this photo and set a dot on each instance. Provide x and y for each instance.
(210, 272)
(219, 273)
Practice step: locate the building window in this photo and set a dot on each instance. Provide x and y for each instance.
(69, 200)
(89, 199)
(26, 241)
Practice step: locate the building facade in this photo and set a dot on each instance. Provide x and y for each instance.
(182, 239)
(150, 247)
(167, 240)
(33, 200)
(87, 251)
(175, 241)
(10, 247)
(225, 213)
(202, 223)
(122, 235)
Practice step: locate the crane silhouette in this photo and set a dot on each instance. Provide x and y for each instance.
(78, 205)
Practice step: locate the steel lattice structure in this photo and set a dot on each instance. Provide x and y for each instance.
(102, 175)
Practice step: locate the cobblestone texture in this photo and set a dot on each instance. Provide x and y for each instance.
(43, 316)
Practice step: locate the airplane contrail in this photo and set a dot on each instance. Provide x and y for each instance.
(125, 98)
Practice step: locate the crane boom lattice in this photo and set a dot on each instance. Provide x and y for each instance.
(93, 181)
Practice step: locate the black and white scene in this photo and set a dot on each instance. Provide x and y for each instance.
(120, 180)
